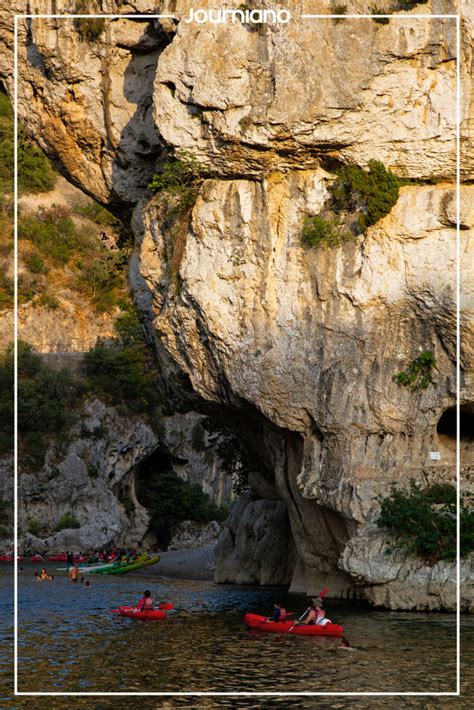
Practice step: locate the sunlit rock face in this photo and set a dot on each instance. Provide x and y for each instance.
(299, 347)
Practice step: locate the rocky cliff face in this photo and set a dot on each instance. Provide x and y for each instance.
(93, 472)
(296, 349)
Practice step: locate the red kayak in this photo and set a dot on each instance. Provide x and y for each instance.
(259, 623)
(36, 558)
(131, 612)
(58, 558)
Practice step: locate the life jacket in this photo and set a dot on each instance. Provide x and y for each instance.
(282, 616)
(146, 604)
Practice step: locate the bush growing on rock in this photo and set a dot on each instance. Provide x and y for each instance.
(122, 369)
(318, 231)
(425, 521)
(358, 199)
(375, 10)
(372, 193)
(67, 522)
(177, 176)
(45, 397)
(418, 374)
(35, 527)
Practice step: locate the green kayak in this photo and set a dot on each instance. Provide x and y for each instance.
(119, 563)
(131, 566)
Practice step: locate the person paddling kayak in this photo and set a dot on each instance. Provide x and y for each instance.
(315, 613)
(146, 602)
(279, 612)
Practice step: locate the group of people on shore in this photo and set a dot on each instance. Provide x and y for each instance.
(106, 554)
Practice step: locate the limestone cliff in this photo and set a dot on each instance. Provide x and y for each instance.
(296, 350)
(93, 471)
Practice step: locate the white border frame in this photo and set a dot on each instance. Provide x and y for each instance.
(457, 693)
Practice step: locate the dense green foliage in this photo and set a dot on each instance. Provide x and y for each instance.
(425, 521)
(35, 172)
(122, 369)
(318, 231)
(6, 403)
(418, 374)
(68, 521)
(367, 194)
(372, 193)
(170, 501)
(44, 400)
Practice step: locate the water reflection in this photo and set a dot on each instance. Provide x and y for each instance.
(69, 641)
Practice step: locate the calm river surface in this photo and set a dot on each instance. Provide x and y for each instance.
(68, 641)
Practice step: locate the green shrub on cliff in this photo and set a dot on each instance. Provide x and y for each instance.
(318, 231)
(425, 521)
(359, 198)
(178, 178)
(372, 193)
(375, 10)
(45, 397)
(67, 522)
(122, 368)
(418, 374)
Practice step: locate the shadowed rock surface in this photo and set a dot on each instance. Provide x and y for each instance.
(295, 349)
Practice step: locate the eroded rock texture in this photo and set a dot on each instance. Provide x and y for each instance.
(95, 473)
(296, 349)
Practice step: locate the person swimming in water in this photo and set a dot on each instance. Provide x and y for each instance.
(43, 576)
(74, 573)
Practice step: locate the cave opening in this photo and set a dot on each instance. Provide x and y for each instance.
(170, 499)
(447, 423)
(446, 430)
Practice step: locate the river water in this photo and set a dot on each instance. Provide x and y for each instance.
(69, 641)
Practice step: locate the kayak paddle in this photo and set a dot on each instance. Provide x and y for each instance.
(300, 619)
